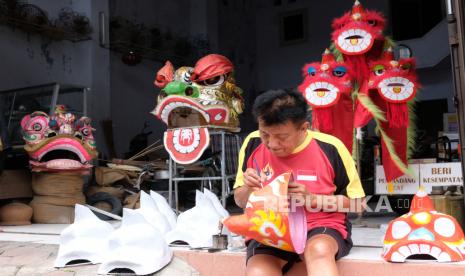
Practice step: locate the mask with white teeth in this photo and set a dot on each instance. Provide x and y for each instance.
(356, 31)
(327, 87)
(424, 233)
(358, 36)
(195, 99)
(391, 86)
(59, 143)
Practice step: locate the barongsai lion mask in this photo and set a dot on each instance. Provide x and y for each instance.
(327, 87)
(424, 232)
(58, 143)
(195, 99)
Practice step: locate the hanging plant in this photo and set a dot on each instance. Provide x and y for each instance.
(81, 25)
(71, 21)
(33, 14)
(11, 8)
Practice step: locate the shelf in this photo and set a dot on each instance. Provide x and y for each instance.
(50, 31)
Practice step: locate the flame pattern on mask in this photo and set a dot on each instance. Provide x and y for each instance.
(266, 221)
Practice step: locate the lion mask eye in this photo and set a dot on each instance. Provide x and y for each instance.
(379, 69)
(311, 71)
(339, 71)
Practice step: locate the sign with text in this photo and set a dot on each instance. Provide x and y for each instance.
(441, 174)
(404, 185)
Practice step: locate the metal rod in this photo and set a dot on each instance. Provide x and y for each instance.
(223, 177)
(102, 28)
(84, 104)
(197, 178)
(456, 29)
(113, 216)
(223, 170)
(176, 197)
(11, 110)
(449, 6)
(56, 89)
(146, 150)
(170, 183)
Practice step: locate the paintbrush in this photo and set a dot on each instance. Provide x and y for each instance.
(258, 170)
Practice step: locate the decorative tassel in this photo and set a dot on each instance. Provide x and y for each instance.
(397, 115)
(322, 119)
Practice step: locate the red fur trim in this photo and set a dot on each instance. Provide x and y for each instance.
(359, 67)
(397, 115)
(322, 119)
(346, 22)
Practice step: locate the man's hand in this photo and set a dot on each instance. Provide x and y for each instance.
(252, 180)
(300, 193)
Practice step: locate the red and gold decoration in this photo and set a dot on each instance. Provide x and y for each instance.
(195, 99)
(424, 232)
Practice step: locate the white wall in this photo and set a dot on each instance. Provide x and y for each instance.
(280, 66)
(132, 90)
(39, 60)
(29, 59)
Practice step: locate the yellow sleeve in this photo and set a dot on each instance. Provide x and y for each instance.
(352, 184)
(241, 159)
(354, 189)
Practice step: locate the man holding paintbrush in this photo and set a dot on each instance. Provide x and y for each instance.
(324, 180)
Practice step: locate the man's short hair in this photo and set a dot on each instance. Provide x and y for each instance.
(278, 106)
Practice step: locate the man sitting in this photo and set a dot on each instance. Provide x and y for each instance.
(325, 179)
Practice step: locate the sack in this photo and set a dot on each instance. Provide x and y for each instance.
(59, 200)
(106, 176)
(132, 201)
(57, 184)
(47, 213)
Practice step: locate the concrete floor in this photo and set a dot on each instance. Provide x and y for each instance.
(31, 250)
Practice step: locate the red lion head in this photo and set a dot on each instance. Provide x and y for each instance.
(396, 82)
(324, 82)
(327, 86)
(356, 31)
